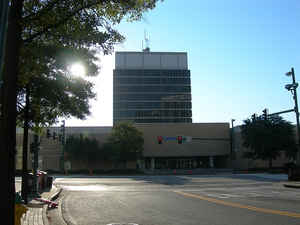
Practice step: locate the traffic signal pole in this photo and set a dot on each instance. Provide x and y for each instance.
(297, 115)
(24, 191)
(293, 88)
(63, 131)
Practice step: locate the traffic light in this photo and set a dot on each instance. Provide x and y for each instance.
(253, 117)
(62, 129)
(54, 135)
(159, 139)
(179, 139)
(265, 114)
(48, 133)
(32, 147)
(63, 132)
(37, 146)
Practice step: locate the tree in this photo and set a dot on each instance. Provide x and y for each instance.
(51, 22)
(266, 139)
(83, 149)
(125, 143)
(8, 110)
(49, 96)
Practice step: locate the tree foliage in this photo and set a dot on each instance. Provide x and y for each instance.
(266, 139)
(83, 149)
(125, 143)
(56, 34)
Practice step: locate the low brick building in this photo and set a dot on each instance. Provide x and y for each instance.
(204, 145)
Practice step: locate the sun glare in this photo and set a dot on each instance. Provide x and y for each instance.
(77, 70)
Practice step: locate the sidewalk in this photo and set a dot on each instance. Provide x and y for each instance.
(36, 214)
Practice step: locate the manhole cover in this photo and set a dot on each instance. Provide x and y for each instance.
(122, 224)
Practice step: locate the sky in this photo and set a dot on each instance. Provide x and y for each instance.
(238, 54)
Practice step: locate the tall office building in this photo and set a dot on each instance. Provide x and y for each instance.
(152, 87)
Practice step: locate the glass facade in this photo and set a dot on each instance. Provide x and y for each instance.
(152, 96)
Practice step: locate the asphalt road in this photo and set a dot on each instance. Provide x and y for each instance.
(178, 200)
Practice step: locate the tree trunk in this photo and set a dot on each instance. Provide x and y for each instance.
(25, 150)
(8, 112)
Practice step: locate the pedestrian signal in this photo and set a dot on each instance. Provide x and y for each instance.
(179, 139)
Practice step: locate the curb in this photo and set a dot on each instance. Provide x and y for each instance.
(61, 213)
(45, 207)
(56, 195)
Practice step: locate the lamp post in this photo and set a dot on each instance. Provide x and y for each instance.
(293, 89)
(231, 139)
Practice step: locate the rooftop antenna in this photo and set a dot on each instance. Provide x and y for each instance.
(147, 42)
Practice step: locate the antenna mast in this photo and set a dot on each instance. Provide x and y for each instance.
(147, 42)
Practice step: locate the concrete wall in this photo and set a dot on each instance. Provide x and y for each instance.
(151, 60)
(213, 139)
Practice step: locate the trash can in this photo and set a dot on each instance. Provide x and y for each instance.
(40, 180)
(45, 179)
(20, 209)
(30, 182)
(49, 181)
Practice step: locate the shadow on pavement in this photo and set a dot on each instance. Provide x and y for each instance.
(258, 177)
(165, 179)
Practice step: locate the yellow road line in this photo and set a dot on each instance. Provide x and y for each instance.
(237, 205)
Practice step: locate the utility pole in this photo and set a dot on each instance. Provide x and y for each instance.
(231, 139)
(3, 27)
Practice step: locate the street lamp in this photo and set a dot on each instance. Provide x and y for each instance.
(293, 89)
(232, 120)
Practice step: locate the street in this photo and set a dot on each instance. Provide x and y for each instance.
(176, 200)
